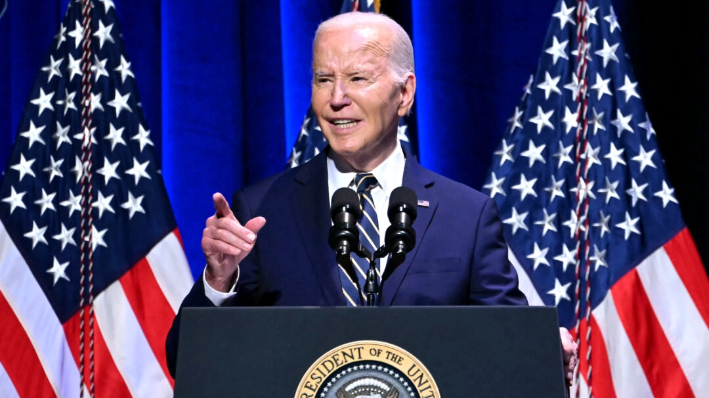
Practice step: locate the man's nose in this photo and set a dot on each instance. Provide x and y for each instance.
(340, 95)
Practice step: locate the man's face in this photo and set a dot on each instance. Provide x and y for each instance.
(355, 97)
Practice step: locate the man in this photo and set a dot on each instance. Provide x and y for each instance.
(363, 82)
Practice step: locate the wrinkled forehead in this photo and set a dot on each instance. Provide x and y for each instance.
(365, 42)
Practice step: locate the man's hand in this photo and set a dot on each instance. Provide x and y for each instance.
(571, 357)
(225, 242)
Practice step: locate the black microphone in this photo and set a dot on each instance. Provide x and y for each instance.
(344, 236)
(400, 237)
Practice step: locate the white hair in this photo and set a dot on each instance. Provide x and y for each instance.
(401, 53)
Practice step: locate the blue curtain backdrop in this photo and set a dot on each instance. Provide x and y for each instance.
(225, 84)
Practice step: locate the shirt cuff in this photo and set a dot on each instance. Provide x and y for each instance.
(216, 297)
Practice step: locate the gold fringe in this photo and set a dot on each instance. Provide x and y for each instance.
(377, 6)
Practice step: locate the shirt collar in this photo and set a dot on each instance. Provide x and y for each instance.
(389, 174)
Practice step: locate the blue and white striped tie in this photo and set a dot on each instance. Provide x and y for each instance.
(368, 237)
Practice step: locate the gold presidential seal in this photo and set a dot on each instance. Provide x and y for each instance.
(367, 369)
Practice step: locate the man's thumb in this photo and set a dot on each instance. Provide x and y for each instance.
(255, 224)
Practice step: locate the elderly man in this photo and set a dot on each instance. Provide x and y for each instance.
(363, 82)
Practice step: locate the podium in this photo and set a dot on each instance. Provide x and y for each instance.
(387, 352)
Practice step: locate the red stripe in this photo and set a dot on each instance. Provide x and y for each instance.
(108, 381)
(19, 358)
(151, 308)
(684, 256)
(663, 371)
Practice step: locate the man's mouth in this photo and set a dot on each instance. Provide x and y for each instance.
(345, 123)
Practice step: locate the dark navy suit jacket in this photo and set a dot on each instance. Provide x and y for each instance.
(460, 257)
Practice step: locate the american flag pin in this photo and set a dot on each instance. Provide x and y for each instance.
(423, 203)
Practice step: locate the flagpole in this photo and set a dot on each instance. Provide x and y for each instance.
(86, 268)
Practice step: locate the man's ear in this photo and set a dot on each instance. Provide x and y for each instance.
(408, 89)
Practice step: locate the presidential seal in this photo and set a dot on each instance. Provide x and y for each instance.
(367, 369)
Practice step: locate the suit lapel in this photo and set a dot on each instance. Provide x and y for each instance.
(421, 181)
(311, 206)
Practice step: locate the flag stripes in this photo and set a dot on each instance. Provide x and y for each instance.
(132, 319)
(684, 255)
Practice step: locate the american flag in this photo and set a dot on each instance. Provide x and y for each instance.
(592, 221)
(311, 140)
(128, 274)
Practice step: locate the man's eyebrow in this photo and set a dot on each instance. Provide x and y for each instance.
(319, 73)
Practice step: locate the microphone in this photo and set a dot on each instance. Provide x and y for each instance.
(344, 236)
(400, 237)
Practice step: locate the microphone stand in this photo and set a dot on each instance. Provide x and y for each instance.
(371, 286)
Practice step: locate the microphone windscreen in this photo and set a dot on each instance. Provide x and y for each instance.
(345, 198)
(403, 199)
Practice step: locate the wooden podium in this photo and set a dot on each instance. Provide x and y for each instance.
(392, 352)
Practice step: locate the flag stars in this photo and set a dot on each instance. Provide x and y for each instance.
(78, 169)
(563, 154)
(108, 170)
(74, 67)
(65, 236)
(612, 20)
(610, 190)
(115, 136)
(647, 126)
(124, 70)
(603, 224)
(495, 186)
(575, 224)
(54, 168)
(644, 159)
(505, 152)
(542, 119)
(401, 133)
(608, 53)
(614, 155)
(61, 36)
(120, 102)
(103, 203)
(138, 170)
(590, 16)
(96, 237)
(98, 68)
(599, 258)
(68, 101)
(557, 50)
(516, 120)
(517, 221)
(53, 68)
(564, 15)
(77, 34)
(570, 120)
(629, 89)
(294, 158)
(143, 137)
(33, 134)
(567, 257)
(525, 187)
(584, 189)
(574, 86)
(87, 136)
(559, 291)
(96, 104)
(24, 167)
(534, 153)
(538, 257)
(45, 202)
(601, 86)
(73, 203)
(15, 200)
(629, 225)
(636, 192)
(622, 123)
(591, 156)
(36, 235)
(133, 205)
(666, 194)
(549, 85)
(103, 33)
(547, 223)
(555, 189)
(44, 101)
(58, 271)
(597, 121)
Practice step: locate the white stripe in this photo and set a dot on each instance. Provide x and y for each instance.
(347, 296)
(37, 317)
(128, 346)
(628, 376)
(7, 389)
(583, 393)
(525, 284)
(170, 267)
(678, 315)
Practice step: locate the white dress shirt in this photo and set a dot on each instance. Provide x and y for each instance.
(389, 175)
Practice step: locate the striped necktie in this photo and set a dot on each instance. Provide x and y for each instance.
(368, 237)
